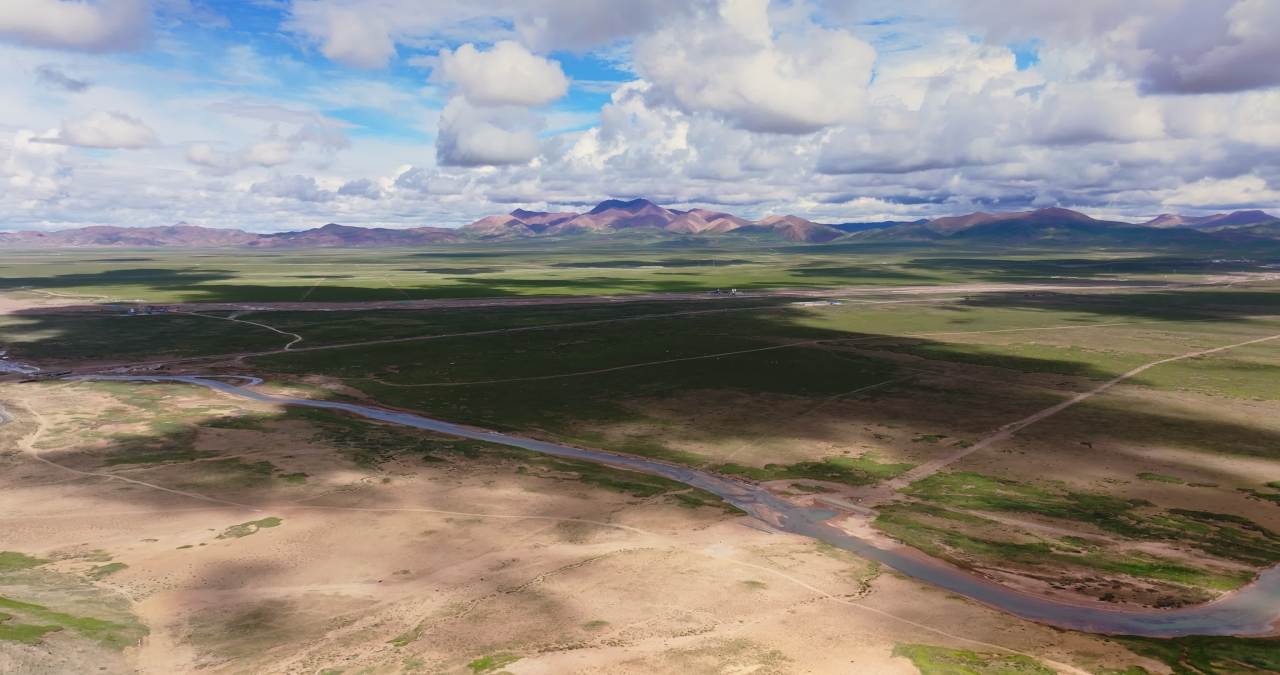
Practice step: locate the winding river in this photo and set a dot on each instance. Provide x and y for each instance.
(1252, 610)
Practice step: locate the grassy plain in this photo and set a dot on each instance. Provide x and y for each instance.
(1158, 492)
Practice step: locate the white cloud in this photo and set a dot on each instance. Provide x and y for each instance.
(734, 65)
(1246, 191)
(507, 74)
(949, 123)
(272, 151)
(355, 39)
(470, 136)
(362, 187)
(1202, 49)
(585, 24)
(1093, 112)
(107, 130)
(364, 33)
(204, 154)
(268, 153)
(72, 24)
(301, 188)
(34, 167)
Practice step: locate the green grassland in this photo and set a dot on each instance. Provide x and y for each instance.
(575, 371)
(585, 267)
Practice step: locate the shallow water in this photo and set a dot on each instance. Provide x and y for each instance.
(1252, 610)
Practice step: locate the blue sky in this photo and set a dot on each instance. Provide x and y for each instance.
(282, 114)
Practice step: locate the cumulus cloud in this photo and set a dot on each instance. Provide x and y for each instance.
(1230, 193)
(34, 167)
(584, 24)
(507, 74)
(71, 24)
(346, 33)
(1093, 112)
(365, 33)
(204, 154)
(735, 65)
(268, 153)
(1169, 46)
(470, 136)
(362, 187)
(424, 181)
(301, 188)
(1202, 48)
(106, 130)
(273, 150)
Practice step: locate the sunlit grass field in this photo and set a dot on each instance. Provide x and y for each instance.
(590, 267)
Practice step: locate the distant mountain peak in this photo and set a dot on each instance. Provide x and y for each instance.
(628, 205)
(1058, 212)
(1216, 220)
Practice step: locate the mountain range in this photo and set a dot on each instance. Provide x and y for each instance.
(641, 215)
(613, 215)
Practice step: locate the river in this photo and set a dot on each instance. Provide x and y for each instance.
(1251, 610)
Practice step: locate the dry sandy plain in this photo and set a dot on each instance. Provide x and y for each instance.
(427, 566)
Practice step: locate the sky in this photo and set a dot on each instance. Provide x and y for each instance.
(274, 115)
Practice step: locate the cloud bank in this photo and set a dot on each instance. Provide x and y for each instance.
(403, 113)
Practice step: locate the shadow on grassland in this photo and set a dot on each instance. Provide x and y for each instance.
(796, 378)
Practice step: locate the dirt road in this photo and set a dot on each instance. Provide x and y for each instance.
(888, 489)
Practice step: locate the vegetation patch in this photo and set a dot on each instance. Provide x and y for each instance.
(232, 473)
(488, 664)
(251, 527)
(1161, 478)
(406, 638)
(1265, 495)
(102, 571)
(248, 421)
(931, 660)
(1206, 655)
(633, 483)
(947, 534)
(1222, 535)
(11, 561)
(26, 633)
(694, 498)
(863, 470)
(135, 449)
(109, 633)
(369, 445)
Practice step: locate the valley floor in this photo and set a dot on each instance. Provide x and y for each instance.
(162, 528)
